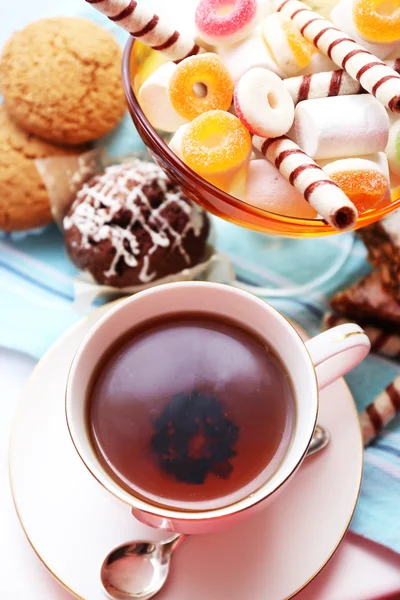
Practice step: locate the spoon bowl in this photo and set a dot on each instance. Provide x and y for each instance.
(137, 570)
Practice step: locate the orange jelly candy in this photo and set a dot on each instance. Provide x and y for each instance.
(199, 84)
(377, 20)
(215, 143)
(364, 188)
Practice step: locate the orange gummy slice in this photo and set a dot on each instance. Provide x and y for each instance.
(365, 188)
(377, 20)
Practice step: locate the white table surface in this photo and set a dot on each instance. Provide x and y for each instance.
(360, 570)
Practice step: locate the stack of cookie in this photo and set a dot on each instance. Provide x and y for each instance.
(374, 302)
(62, 90)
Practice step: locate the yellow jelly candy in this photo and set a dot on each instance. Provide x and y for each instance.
(302, 49)
(199, 84)
(377, 20)
(216, 142)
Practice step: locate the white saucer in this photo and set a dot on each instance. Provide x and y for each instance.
(72, 522)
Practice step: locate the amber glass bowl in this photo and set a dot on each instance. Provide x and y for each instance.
(138, 62)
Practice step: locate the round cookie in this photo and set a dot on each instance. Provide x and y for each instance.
(131, 225)
(24, 203)
(60, 79)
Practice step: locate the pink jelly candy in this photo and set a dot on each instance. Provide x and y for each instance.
(218, 23)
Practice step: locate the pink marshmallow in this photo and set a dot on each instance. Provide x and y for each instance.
(217, 26)
(267, 189)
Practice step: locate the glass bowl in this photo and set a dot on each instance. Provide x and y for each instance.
(138, 62)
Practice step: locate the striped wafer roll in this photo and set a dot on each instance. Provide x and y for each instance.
(309, 180)
(382, 342)
(143, 24)
(374, 76)
(381, 411)
(327, 84)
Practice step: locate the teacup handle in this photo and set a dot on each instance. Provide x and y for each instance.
(337, 351)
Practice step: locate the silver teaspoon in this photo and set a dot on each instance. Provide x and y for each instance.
(320, 439)
(139, 570)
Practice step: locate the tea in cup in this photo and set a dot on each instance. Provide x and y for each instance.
(194, 403)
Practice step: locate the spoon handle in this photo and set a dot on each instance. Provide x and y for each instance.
(171, 546)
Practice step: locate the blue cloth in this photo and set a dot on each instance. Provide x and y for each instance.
(36, 307)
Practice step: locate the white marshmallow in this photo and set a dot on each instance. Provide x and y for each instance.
(154, 100)
(378, 158)
(342, 17)
(381, 160)
(246, 55)
(362, 163)
(274, 33)
(267, 189)
(263, 103)
(319, 63)
(176, 141)
(265, 8)
(341, 126)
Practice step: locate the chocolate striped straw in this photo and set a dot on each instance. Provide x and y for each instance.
(381, 411)
(309, 180)
(387, 404)
(327, 84)
(148, 27)
(375, 77)
(382, 342)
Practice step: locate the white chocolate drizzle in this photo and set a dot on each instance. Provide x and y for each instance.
(120, 188)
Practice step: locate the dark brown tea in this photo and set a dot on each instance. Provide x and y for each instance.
(191, 412)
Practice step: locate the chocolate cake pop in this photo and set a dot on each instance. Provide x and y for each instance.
(131, 226)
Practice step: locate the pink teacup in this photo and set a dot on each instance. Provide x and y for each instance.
(311, 366)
